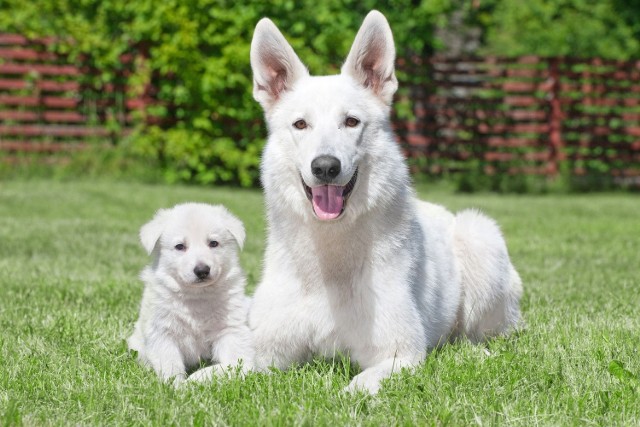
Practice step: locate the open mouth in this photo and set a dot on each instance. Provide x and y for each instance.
(329, 201)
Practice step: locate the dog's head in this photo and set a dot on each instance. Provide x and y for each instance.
(326, 133)
(194, 243)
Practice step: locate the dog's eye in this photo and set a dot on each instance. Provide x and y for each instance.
(180, 247)
(300, 124)
(213, 244)
(352, 122)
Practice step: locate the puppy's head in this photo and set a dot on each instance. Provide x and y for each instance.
(194, 243)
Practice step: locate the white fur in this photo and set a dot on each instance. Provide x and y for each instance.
(185, 319)
(392, 277)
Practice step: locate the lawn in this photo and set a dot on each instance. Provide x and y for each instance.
(69, 294)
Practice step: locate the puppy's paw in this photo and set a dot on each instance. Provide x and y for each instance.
(178, 380)
(367, 381)
(207, 374)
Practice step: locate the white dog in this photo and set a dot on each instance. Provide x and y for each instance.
(193, 307)
(354, 263)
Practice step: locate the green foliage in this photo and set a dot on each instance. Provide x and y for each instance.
(584, 28)
(197, 58)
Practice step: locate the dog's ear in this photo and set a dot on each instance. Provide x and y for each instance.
(236, 228)
(151, 231)
(275, 65)
(371, 58)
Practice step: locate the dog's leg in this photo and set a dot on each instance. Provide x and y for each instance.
(232, 349)
(369, 379)
(165, 358)
(279, 351)
(136, 341)
(281, 324)
(207, 374)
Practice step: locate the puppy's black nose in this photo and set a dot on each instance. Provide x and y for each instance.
(325, 168)
(201, 271)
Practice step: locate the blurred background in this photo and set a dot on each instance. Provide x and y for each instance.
(495, 95)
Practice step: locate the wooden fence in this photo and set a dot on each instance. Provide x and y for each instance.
(47, 103)
(525, 115)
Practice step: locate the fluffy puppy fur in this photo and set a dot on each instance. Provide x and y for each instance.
(194, 307)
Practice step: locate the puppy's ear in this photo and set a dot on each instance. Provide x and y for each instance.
(275, 65)
(236, 228)
(371, 58)
(151, 231)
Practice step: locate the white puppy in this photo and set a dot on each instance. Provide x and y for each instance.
(193, 307)
(354, 262)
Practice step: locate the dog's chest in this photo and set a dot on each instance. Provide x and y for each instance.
(332, 261)
(346, 317)
(198, 324)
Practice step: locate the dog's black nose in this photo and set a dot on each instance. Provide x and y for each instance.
(325, 168)
(201, 271)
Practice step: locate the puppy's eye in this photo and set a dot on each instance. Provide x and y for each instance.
(213, 244)
(300, 124)
(351, 122)
(180, 247)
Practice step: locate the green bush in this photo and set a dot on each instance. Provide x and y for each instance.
(197, 58)
(582, 28)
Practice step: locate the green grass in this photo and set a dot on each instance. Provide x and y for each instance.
(69, 293)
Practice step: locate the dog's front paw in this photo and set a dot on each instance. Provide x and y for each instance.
(367, 381)
(178, 380)
(207, 374)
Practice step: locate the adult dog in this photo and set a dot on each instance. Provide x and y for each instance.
(354, 263)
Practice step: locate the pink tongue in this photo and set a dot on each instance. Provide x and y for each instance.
(327, 201)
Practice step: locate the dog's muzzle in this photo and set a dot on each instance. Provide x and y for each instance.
(329, 201)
